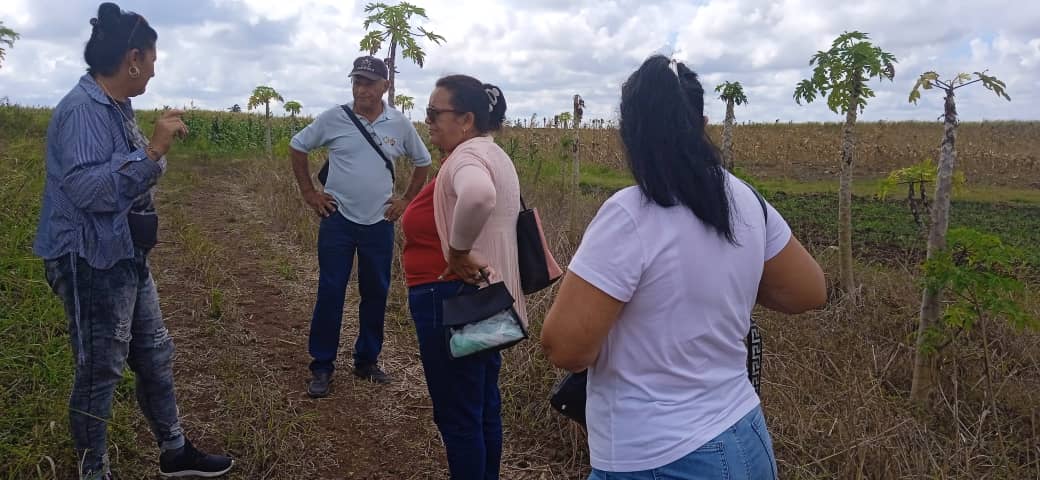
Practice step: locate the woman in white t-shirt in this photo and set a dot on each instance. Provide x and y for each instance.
(658, 298)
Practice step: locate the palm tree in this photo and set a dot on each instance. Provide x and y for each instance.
(405, 103)
(398, 31)
(931, 300)
(841, 74)
(262, 95)
(7, 36)
(733, 94)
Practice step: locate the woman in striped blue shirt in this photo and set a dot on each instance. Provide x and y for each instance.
(97, 226)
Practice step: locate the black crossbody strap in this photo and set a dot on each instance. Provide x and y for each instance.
(754, 336)
(364, 131)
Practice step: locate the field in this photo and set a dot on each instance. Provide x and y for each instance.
(237, 272)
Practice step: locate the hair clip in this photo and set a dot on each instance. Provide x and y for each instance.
(493, 94)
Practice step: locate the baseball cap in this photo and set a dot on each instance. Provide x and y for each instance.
(369, 67)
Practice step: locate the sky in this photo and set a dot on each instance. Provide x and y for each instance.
(212, 53)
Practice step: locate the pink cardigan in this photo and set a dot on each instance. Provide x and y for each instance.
(476, 201)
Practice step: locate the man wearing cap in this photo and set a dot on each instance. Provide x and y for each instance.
(358, 208)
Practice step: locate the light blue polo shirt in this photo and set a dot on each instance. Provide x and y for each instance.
(358, 177)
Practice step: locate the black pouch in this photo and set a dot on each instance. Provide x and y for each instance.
(144, 229)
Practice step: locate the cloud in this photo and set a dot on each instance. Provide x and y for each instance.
(541, 52)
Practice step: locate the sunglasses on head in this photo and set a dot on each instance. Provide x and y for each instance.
(133, 31)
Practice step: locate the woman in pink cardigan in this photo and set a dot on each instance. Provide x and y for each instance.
(462, 222)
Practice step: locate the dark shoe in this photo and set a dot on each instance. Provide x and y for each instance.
(320, 385)
(189, 462)
(372, 373)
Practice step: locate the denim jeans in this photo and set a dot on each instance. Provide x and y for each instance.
(339, 240)
(114, 320)
(743, 452)
(467, 407)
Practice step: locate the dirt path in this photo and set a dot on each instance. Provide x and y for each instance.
(237, 298)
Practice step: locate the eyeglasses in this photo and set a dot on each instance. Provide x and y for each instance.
(433, 113)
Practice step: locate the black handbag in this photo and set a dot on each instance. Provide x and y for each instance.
(481, 321)
(323, 174)
(538, 268)
(568, 396)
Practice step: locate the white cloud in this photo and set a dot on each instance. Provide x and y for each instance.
(541, 52)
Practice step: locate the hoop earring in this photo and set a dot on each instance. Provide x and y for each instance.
(134, 71)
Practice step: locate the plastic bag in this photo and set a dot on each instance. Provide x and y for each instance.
(498, 330)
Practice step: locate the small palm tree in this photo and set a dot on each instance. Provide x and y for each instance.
(398, 31)
(262, 95)
(7, 36)
(733, 94)
(841, 74)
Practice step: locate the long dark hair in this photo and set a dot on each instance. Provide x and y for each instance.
(667, 147)
(116, 32)
(485, 101)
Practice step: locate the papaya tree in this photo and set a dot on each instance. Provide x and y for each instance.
(397, 30)
(7, 37)
(564, 119)
(405, 103)
(840, 74)
(733, 94)
(293, 108)
(931, 301)
(263, 95)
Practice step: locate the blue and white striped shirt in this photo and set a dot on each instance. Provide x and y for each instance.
(93, 179)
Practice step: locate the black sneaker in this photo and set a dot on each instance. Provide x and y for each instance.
(189, 462)
(372, 373)
(320, 385)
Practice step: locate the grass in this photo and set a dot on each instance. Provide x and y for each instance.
(35, 356)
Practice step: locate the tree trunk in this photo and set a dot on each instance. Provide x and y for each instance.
(924, 363)
(848, 145)
(390, 70)
(267, 133)
(727, 137)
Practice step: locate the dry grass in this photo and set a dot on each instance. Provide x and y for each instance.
(990, 153)
(836, 381)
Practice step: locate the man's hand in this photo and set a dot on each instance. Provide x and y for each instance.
(396, 209)
(322, 203)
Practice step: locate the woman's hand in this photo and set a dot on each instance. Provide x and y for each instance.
(167, 126)
(467, 266)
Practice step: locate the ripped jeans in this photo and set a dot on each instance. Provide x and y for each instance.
(114, 320)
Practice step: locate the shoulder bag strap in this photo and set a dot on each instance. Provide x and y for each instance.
(371, 141)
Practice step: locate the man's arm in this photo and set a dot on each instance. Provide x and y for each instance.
(398, 205)
(322, 203)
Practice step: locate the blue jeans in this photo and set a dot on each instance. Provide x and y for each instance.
(467, 407)
(338, 241)
(743, 452)
(114, 320)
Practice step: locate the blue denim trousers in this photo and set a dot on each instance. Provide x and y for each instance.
(114, 320)
(339, 240)
(467, 406)
(743, 452)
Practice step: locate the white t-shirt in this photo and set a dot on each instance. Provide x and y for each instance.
(672, 374)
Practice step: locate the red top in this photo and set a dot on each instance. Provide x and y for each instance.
(423, 258)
